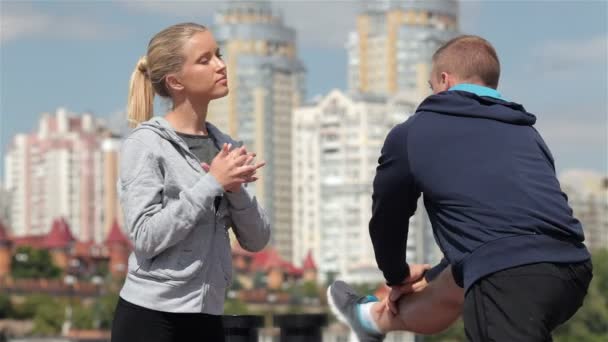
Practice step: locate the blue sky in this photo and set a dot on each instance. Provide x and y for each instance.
(80, 54)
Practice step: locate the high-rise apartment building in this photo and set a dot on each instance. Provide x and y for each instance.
(266, 82)
(337, 142)
(5, 205)
(58, 171)
(112, 212)
(588, 197)
(390, 51)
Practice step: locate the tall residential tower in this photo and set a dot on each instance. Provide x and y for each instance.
(390, 52)
(59, 171)
(266, 82)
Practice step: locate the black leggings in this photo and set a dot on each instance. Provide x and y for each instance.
(133, 323)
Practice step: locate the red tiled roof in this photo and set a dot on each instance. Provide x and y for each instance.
(116, 236)
(269, 259)
(36, 241)
(309, 262)
(60, 235)
(266, 260)
(291, 269)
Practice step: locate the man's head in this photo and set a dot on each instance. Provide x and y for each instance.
(464, 59)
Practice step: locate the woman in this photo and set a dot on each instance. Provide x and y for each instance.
(181, 188)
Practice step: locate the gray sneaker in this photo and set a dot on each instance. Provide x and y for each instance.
(343, 301)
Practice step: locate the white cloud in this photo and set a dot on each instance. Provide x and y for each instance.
(321, 23)
(15, 25)
(174, 8)
(21, 22)
(575, 132)
(318, 23)
(566, 55)
(576, 143)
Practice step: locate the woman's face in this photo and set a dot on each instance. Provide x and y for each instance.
(203, 73)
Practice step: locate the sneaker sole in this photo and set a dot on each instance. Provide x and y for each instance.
(337, 313)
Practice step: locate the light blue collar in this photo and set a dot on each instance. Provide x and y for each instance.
(478, 90)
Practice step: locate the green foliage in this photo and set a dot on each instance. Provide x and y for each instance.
(82, 317)
(105, 307)
(364, 288)
(310, 289)
(6, 307)
(49, 315)
(102, 270)
(29, 307)
(236, 284)
(591, 321)
(330, 277)
(235, 307)
(259, 280)
(29, 262)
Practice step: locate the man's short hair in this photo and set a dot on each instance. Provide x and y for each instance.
(470, 58)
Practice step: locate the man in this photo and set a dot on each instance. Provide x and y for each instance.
(512, 248)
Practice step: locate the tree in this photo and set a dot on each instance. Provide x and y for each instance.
(310, 289)
(235, 307)
(29, 262)
(29, 307)
(106, 306)
(330, 278)
(6, 308)
(259, 280)
(590, 323)
(83, 317)
(48, 318)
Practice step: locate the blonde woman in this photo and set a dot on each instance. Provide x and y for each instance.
(181, 189)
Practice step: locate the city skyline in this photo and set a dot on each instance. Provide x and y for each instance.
(557, 71)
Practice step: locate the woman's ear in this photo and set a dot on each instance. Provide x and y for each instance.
(172, 82)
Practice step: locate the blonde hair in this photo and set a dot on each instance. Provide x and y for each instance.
(164, 56)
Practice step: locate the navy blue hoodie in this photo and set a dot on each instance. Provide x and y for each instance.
(489, 187)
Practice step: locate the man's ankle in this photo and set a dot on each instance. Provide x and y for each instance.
(368, 317)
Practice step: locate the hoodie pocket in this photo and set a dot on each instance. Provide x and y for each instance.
(180, 262)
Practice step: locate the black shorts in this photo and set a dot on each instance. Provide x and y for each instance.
(525, 303)
(133, 323)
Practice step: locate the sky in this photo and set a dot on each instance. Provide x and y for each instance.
(80, 55)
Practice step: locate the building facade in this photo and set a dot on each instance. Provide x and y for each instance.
(588, 197)
(58, 171)
(337, 143)
(390, 51)
(266, 81)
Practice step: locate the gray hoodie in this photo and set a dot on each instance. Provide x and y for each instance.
(181, 260)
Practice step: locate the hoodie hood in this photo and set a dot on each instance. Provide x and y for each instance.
(163, 128)
(463, 103)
